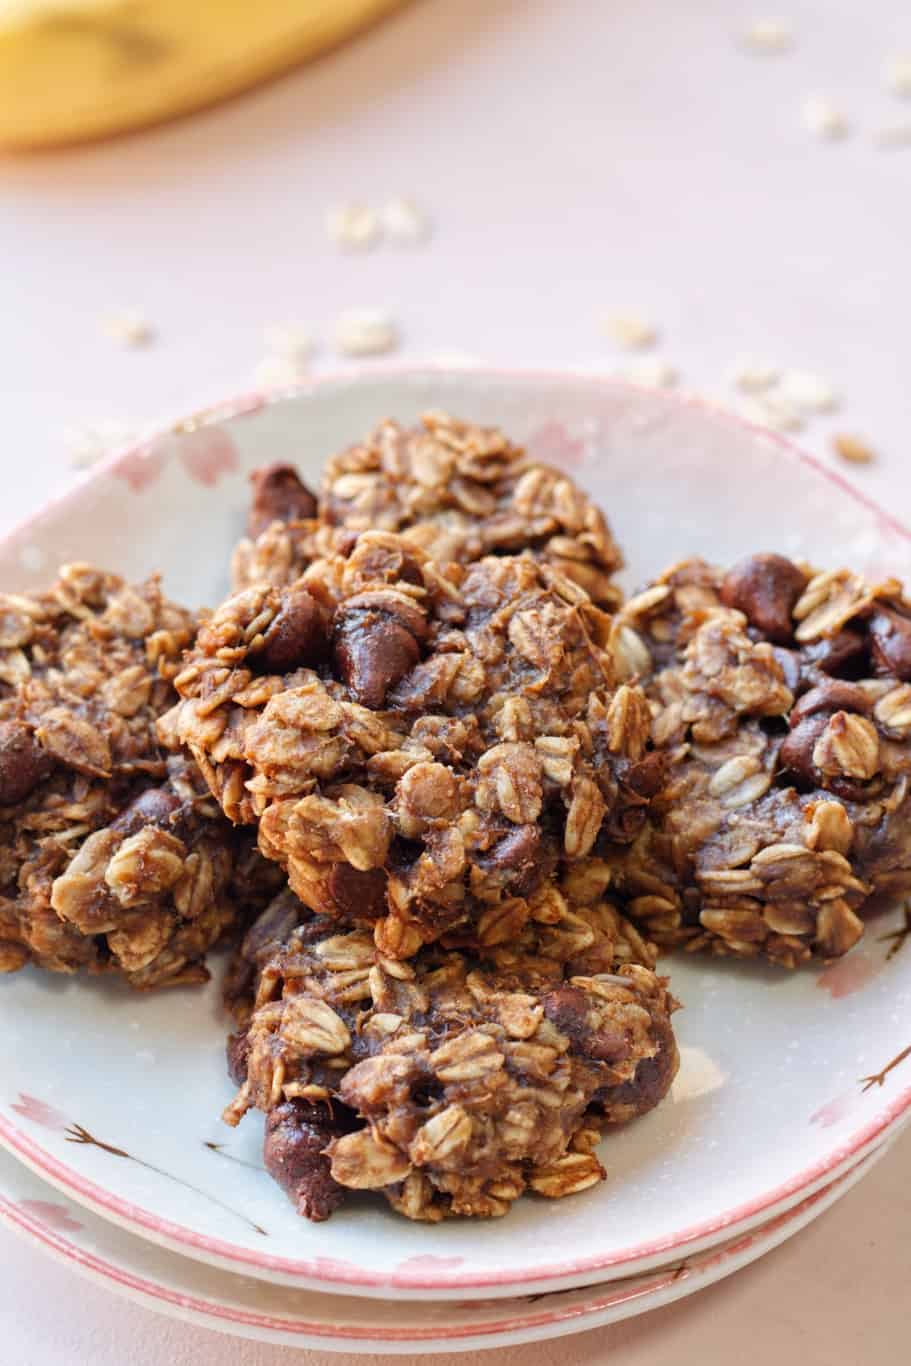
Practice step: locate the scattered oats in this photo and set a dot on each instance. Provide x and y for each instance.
(278, 372)
(853, 449)
(767, 410)
(652, 372)
(752, 376)
(129, 328)
(353, 226)
(365, 332)
(823, 119)
(290, 341)
(806, 392)
(88, 444)
(404, 223)
(893, 134)
(768, 36)
(897, 75)
(32, 558)
(630, 331)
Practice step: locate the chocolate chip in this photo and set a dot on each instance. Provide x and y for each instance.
(652, 1078)
(156, 806)
(890, 634)
(789, 660)
(645, 777)
(765, 588)
(519, 859)
(372, 651)
(795, 757)
(23, 762)
(839, 654)
(293, 1152)
(357, 892)
(796, 754)
(567, 1009)
(279, 495)
(273, 927)
(298, 636)
(833, 694)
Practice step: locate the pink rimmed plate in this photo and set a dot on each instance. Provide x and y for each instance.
(211, 1298)
(787, 1079)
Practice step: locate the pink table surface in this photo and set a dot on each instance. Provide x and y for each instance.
(578, 158)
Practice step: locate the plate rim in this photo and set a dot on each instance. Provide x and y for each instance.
(227, 1319)
(14, 1138)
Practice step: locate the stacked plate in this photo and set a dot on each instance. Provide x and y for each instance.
(791, 1085)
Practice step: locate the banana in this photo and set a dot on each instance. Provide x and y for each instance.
(71, 70)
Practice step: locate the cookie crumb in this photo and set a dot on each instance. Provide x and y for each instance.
(768, 36)
(128, 328)
(404, 223)
(822, 118)
(630, 331)
(365, 332)
(354, 227)
(853, 449)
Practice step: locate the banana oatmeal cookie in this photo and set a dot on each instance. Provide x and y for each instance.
(423, 747)
(113, 857)
(455, 490)
(448, 1084)
(782, 699)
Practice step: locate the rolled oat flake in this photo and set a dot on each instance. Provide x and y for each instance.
(365, 332)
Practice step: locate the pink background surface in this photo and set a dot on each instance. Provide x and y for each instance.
(577, 159)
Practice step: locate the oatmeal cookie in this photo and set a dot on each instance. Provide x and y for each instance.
(457, 491)
(114, 857)
(448, 1084)
(422, 747)
(782, 698)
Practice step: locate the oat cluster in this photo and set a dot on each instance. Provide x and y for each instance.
(113, 856)
(452, 489)
(449, 1084)
(781, 698)
(422, 746)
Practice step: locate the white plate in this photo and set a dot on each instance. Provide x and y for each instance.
(770, 1102)
(188, 1290)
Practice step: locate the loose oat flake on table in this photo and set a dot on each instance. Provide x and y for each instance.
(448, 1084)
(781, 698)
(114, 858)
(824, 119)
(453, 489)
(768, 36)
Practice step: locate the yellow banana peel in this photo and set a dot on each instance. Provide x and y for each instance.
(77, 69)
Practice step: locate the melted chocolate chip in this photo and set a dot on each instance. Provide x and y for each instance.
(298, 636)
(279, 495)
(765, 588)
(23, 762)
